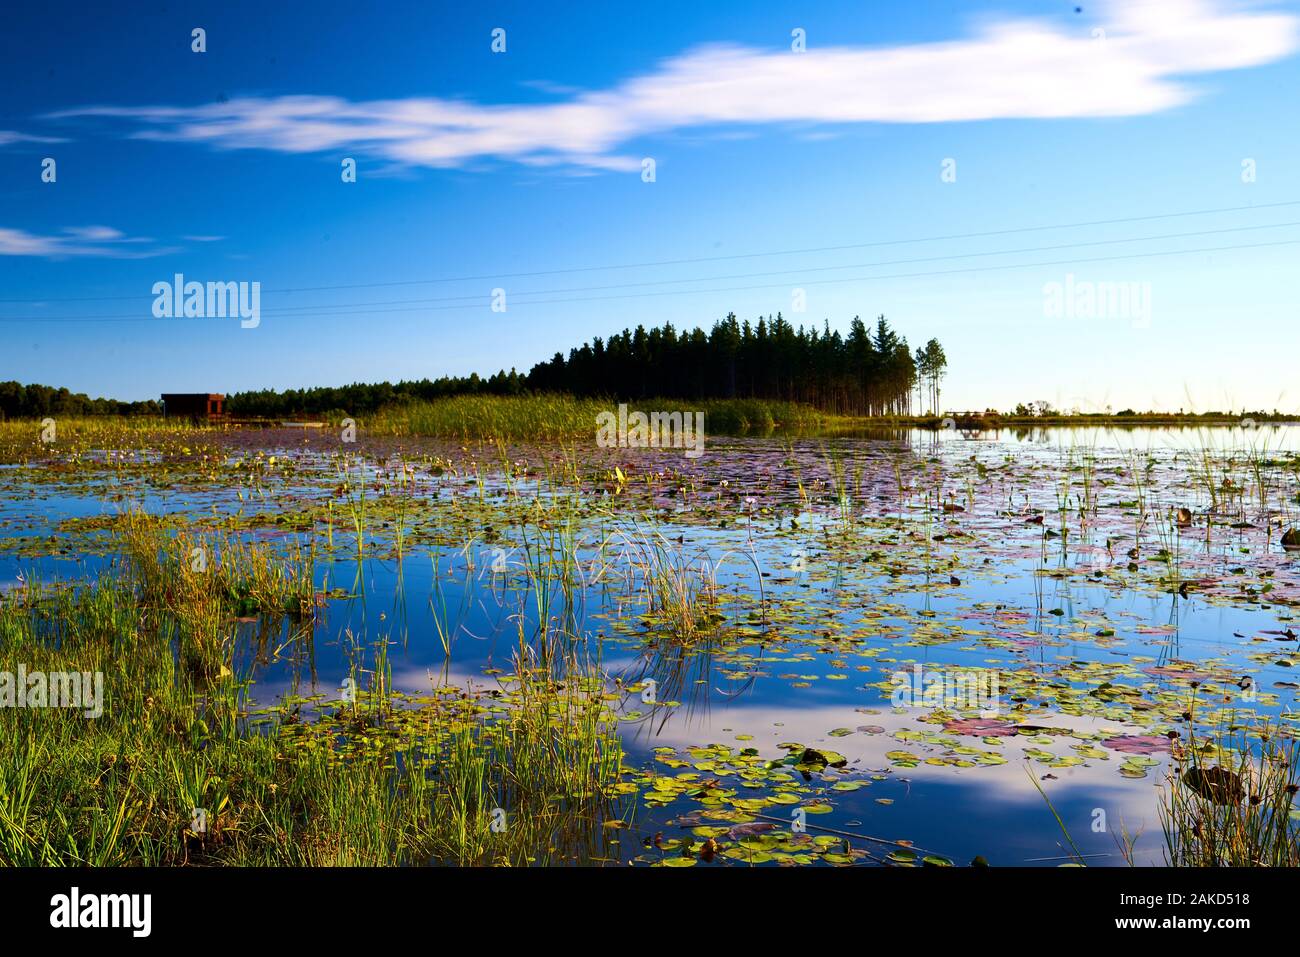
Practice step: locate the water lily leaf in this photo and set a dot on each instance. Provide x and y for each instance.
(1138, 743)
(983, 727)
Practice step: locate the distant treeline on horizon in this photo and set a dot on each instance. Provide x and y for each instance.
(863, 373)
(18, 401)
(867, 372)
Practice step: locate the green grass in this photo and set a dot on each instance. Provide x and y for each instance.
(379, 779)
(546, 418)
(1230, 800)
(551, 417)
(22, 440)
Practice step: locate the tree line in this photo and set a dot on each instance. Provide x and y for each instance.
(866, 372)
(18, 401)
(869, 371)
(362, 398)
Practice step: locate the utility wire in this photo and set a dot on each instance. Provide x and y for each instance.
(706, 259)
(678, 292)
(479, 297)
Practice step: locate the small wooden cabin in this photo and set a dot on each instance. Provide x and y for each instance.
(196, 406)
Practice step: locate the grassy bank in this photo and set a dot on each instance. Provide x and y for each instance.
(374, 777)
(26, 437)
(553, 417)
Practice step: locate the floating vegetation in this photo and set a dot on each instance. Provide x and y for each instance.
(792, 652)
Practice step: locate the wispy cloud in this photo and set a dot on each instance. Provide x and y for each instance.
(1022, 68)
(93, 241)
(95, 233)
(13, 136)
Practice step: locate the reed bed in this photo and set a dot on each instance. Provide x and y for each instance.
(1230, 799)
(458, 776)
(547, 418)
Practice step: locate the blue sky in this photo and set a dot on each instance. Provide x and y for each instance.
(225, 166)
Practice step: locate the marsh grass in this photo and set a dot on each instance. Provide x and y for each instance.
(845, 481)
(390, 778)
(195, 589)
(379, 779)
(1229, 799)
(554, 417)
(680, 590)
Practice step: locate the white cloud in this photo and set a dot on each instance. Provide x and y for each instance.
(13, 136)
(95, 241)
(95, 233)
(1006, 69)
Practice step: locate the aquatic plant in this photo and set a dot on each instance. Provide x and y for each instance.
(178, 769)
(1230, 798)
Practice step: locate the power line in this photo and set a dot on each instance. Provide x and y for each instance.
(705, 259)
(478, 297)
(679, 292)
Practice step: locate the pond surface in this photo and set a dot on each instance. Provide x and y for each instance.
(930, 627)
